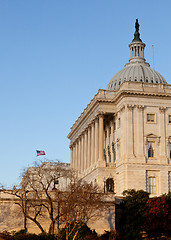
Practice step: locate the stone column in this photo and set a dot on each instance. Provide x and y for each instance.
(85, 152)
(79, 154)
(121, 133)
(133, 51)
(162, 130)
(89, 147)
(92, 143)
(130, 133)
(82, 153)
(96, 140)
(140, 131)
(76, 156)
(143, 52)
(71, 156)
(101, 138)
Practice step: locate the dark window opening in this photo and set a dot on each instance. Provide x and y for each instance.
(110, 185)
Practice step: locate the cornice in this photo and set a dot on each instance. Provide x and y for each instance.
(108, 96)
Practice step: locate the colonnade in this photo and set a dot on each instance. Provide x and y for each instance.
(136, 50)
(88, 147)
(110, 141)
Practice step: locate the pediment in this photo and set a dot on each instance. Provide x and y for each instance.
(151, 135)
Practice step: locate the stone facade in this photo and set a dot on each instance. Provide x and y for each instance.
(119, 133)
(122, 140)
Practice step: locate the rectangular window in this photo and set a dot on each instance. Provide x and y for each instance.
(109, 157)
(169, 118)
(109, 134)
(114, 155)
(114, 128)
(150, 149)
(152, 184)
(150, 118)
(105, 156)
(105, 138)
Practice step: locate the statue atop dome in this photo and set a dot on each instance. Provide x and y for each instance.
(137, 34)
(137, 25)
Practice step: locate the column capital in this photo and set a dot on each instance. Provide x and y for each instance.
(118, 143)
(92, 122)
(81, 135)
(162, 109)
(101, 113)
(130, 107)
(121, 109)
(96, 117)
(115, 114)
(86, 130)
(89, 126)
(140, 107)
(71, 146)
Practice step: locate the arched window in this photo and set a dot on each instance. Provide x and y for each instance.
(109, 185)
(150, 149)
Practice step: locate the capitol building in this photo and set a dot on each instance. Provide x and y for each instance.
(122, 139)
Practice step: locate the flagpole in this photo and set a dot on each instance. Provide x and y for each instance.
(35, 158)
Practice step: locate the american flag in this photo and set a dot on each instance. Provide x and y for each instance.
(40, 152)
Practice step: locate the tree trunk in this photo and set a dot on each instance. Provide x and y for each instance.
(52, 227)
(37, 223)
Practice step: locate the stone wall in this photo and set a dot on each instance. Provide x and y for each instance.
(12, 219)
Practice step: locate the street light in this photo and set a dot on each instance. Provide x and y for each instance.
(25, 210)
(56, 182)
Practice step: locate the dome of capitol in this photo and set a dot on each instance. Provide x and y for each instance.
(137, 70)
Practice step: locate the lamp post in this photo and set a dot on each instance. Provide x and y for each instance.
(56, 182)
(25, 210)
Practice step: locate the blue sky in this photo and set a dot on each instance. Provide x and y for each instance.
(54, 56)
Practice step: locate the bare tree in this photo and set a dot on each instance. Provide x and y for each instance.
(47, 181)
(83, 201)
(41, 192)
(51, 191)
